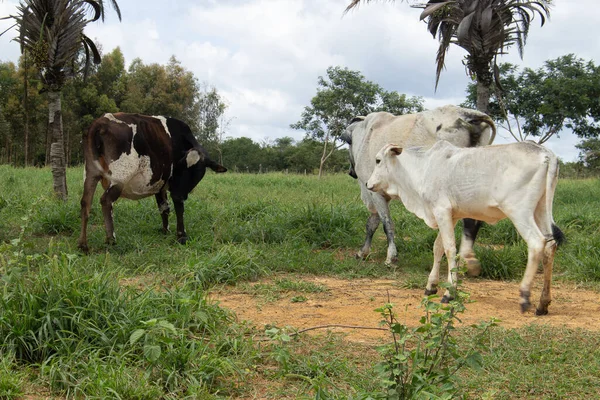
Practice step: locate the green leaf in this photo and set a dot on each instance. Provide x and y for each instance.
(136, 335)
(152, 352)
(168, 326)
(475, 361)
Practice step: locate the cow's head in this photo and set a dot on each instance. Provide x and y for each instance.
(386, 164)
(346, 136)
(462, 126)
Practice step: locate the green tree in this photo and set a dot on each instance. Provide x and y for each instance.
(242, 154)
(23, 110)
(539, 103)
(211, 120)
(589, 154)
(8, 87)
(305, 157)
(52, 33)
(109, 78)
(484, 28)
(162, 90)
(342, 95)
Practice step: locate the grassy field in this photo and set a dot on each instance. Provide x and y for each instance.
(132, 321)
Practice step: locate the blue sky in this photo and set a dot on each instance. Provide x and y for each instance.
(265, 56)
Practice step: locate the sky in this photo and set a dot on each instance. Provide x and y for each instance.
(265, 56)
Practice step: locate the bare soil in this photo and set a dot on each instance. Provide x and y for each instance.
(352, 302)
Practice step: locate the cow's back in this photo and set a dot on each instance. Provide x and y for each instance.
(129, 150)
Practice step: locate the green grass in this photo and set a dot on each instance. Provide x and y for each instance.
(67, 319)
(539, 362)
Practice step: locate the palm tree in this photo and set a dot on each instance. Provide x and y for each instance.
(51, 32)
(484, 28)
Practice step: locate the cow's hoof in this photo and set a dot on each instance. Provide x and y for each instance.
(110, 241)
(182, 240)
(446, 299)
(429, 292)
(525, 303)
(525, 306)
(539, 311)
(473, 267)
(391, 262)
(84, 248)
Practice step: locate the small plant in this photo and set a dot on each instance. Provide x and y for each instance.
(422, 362)
(280, 352)
(157, 334)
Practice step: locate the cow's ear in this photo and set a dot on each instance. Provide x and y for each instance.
(192, 157)
(395, 149)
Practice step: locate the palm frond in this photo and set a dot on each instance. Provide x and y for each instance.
(484, 28)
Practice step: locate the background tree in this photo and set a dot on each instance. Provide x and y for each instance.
(484, 28)
(162, 90)
(342, 95)
(590, 153)
(212, 122)
(242, 154)
(51, 31)
(540, 103)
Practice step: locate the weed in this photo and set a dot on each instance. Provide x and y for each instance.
(11, 380)
(423, 361)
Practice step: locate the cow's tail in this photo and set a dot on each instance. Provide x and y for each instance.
(551, 181)
(93, 148)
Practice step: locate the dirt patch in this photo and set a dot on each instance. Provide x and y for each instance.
(352, 302)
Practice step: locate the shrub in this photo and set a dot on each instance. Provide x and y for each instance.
(422, 362)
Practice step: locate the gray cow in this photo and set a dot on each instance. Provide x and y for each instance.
(367, 135)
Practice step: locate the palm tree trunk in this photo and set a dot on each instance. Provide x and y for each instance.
(483, 97)
(26, 106)
(57, 149)
(484, 83)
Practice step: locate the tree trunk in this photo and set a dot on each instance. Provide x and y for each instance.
(483, 97)
(484, 83)
(323, 156)
(57, 148)
(26, 107)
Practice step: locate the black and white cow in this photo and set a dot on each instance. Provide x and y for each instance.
(136, 156)
(367, 135)
(446, 183)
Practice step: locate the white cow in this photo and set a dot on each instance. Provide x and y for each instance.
(367, 135)
(446, 183)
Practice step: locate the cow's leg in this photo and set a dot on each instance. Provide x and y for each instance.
(543, 219)
(179, 209)
(446, 224)
(434, 276)
(529, 231)
(383, 208)
(380, 205)
(548, 262)
(470, 230)
(163, 208)
(89, 187)
(372, 225)
(108, 198)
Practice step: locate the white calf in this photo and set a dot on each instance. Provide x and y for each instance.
(446, 183)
